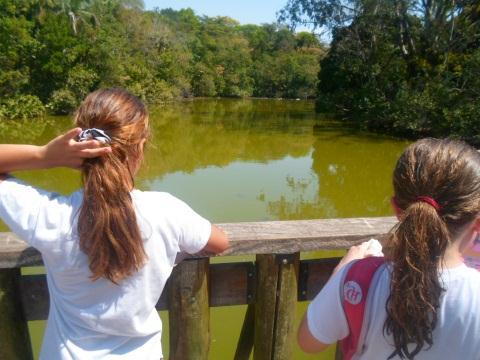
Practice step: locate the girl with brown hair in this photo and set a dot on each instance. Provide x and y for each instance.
(423, 303)
(108, 249)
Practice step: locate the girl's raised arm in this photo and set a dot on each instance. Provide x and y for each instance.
(63, 151)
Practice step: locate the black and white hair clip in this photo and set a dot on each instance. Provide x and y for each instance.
(94, 134)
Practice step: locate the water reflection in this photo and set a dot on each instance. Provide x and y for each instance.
(355, 173)
(196, 134)
(239, 160)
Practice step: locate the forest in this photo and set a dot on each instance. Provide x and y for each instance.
(54, 52)
(406, 67)
(403, 67)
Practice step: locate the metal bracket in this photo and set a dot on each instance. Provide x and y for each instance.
(251, 282)
(303, 281)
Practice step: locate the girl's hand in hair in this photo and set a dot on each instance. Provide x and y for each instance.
(365, 249)
(65, 151)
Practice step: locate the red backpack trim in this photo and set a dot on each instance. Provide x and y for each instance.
(354, 294)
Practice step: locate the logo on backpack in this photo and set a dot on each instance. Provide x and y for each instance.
(352, 292)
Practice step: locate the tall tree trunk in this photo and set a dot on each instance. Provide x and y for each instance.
(405, 39)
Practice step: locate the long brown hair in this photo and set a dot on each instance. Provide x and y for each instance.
(447, 171)
(107, 224)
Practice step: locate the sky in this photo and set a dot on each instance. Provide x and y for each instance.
(245, 11)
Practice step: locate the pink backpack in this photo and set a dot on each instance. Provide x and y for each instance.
(356, 284)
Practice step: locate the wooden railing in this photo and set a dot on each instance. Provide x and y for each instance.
(270, 286)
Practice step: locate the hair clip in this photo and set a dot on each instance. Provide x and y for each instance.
(94, 134)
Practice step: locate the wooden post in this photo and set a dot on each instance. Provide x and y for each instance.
(267, 276)
(14, 337)
(287, 289)
(245, 341)
(275, 306)
(189, 312)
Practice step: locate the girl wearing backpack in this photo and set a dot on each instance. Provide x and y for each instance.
(108, 249)
(423, 302)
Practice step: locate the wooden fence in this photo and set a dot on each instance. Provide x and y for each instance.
(270, 286)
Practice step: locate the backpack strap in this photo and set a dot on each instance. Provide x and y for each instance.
(356, 284)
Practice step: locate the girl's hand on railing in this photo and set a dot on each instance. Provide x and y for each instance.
(65, 151)
(365, 249)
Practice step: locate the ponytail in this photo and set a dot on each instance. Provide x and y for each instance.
(437, 193)
(107, 223)
(418, 244)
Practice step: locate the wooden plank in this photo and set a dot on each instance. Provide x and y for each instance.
(271, 237)
(15, 339)
(314, 274)
(230, 284)
(286, 306)
(287, 237)
(246, 338)
(189, 311)
(15, 253)
(35, 298)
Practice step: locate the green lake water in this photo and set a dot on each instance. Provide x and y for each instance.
(244, 160)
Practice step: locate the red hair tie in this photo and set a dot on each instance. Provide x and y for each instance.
(430, 201)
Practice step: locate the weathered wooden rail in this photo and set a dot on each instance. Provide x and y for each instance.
(270, 286)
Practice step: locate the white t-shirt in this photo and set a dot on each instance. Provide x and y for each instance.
(456, 335)
(98, 319)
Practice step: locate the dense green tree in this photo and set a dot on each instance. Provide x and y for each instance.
(18, 48)
(284, 64)
(57, 51)
(403, 66)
